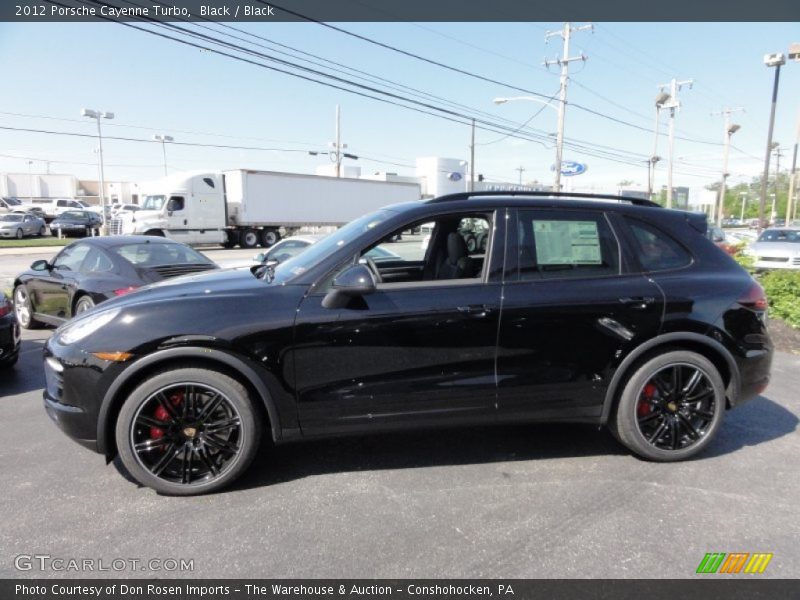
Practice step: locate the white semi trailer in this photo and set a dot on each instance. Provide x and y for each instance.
(248, 208)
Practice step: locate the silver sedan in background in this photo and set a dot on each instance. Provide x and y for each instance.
(18, 225)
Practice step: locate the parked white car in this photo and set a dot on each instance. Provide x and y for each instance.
(57, 206)
(776, 248)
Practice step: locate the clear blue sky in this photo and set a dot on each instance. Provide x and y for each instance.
(158, 86)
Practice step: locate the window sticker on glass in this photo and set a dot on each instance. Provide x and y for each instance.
(567, 243)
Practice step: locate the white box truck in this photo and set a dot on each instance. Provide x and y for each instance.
(248, 208)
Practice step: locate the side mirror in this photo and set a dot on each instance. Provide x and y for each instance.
(40, 265)
(354, 281)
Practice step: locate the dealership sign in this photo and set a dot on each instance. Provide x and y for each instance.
(570, 168)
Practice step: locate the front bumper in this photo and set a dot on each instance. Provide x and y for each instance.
(75, 383)
(761, 264)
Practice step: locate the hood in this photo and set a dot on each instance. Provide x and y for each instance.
(217, 283)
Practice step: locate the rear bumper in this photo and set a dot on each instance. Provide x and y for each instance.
(10, 338)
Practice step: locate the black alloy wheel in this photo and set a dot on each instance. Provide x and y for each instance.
(671, 407)
(187, 431)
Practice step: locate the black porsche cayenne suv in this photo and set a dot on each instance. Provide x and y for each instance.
(584, 309)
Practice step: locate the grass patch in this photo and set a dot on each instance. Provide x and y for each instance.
(35, 242)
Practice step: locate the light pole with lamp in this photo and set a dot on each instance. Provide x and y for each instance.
(164, 139)
(97, 115)
(559, 140)
(743, 195)
(661, 99)
(730, 129)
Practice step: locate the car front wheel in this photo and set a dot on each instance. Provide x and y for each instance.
(23, 308)
(671, 407)
(83, 304)
(188, 431)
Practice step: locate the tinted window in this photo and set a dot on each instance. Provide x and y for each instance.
(655, 250)
(562, 244)
(779, 235)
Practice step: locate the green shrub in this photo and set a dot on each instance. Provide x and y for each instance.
(783, 292)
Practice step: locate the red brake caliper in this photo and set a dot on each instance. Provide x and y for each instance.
(645, 407)
(161, 414)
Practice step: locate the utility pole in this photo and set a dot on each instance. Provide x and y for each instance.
(730, 129)
(661, 99)
(563, 62)
(338, 143)
(164, 139)
(672, 104)
(472, 159)
(521, 170)
(778, 156)
(776, 60)
(790, 202)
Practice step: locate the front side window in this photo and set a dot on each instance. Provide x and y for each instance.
(96, 262)
(565, 244)
(656, 250)
(70, 258)
(159, 254)
(175, 203)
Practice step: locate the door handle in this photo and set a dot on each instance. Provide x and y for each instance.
(638, 302)
(477, 311)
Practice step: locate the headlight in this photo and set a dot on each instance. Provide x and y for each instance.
(80, 329)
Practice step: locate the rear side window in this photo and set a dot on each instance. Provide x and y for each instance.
(565, 244)
(656, 250)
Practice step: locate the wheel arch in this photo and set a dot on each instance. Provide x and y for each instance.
(703, 345)
(196, 357)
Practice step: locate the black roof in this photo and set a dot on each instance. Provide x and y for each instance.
(110, 241)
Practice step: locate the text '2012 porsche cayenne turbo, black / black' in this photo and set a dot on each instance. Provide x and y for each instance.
(584, 309)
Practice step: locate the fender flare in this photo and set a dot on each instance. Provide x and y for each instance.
(239, 364)
(734, 384)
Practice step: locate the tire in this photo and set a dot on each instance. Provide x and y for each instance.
(20, 235)
(83, 304)
(42, 231)
(270, 237)
(24, 309)
(161, 460)
(658, 424)
(248, 238)
(231, 239)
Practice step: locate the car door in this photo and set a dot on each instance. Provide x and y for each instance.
(29, 225)
(53, 289)
(409, 354)
(570, 310)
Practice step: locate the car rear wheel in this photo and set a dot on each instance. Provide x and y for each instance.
(188, 431)
(24, 309)
(42, 231)
(20, 235)
(671, 407)
(83, 304)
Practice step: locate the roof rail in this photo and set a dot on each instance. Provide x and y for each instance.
(576, 195)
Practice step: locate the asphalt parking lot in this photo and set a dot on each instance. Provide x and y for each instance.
(519, 501)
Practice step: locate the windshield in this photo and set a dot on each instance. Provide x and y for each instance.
(12, 201)
(780, 235)
(325, 247)
(84, 204)
(73, 214)
(153, 202)
(12, 218)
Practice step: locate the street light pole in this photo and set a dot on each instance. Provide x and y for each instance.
(790, 202)
(164, 139)
(661, 99)
(730, 129)
(771, 60)
(97, 115)
(744, 203)
(672, 104)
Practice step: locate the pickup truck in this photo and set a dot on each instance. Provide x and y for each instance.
(55, 207)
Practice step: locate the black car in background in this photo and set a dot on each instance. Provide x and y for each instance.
(76, 222)
(90, 271)
(9, 334)
(585, 308)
